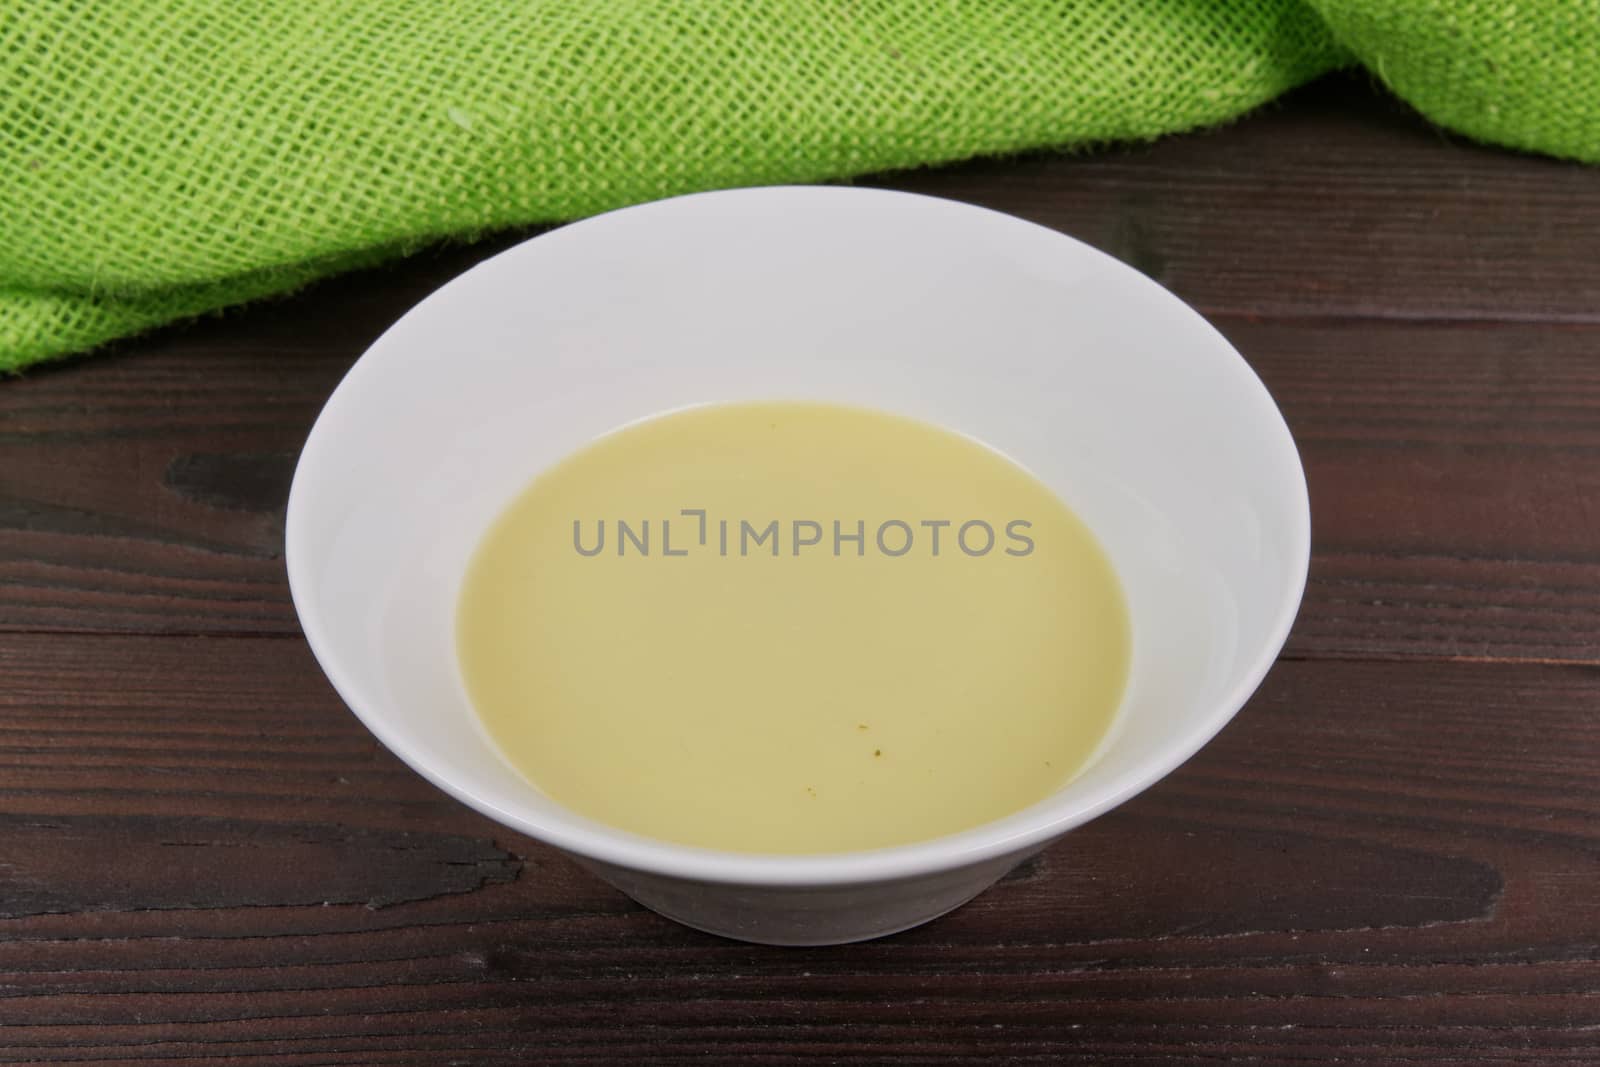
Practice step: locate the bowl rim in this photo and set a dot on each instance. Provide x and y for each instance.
(1013, 835)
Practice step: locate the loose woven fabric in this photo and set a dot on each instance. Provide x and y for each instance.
(162, 158)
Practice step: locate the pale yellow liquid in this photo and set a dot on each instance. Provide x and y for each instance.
(806, 702)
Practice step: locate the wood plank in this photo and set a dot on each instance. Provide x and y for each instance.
(1454, 474)
(1378, 862)
(143, 489)
(1336, 201)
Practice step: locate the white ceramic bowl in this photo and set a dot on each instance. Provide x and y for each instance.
(1107, 387)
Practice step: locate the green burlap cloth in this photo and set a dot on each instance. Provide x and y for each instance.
(166, 157)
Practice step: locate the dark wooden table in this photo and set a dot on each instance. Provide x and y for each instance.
(1391, 856)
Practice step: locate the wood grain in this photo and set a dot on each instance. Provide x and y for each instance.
(59, 864)
(1336, 202)
(144, 489)
(1454, 474)
(1388, 862)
